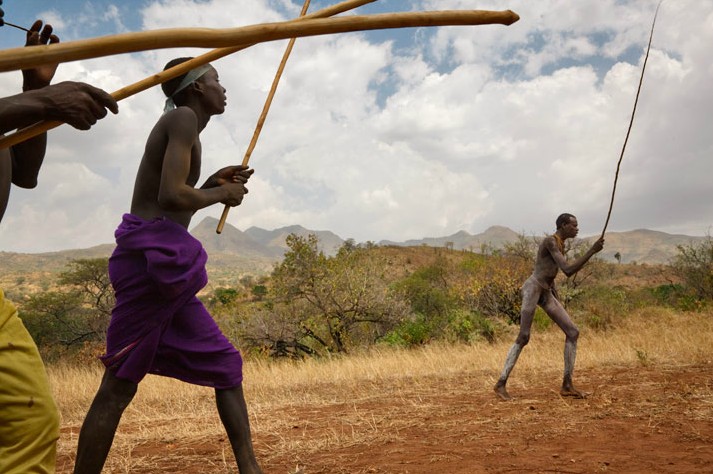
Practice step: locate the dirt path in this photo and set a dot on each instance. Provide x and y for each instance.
(641, 420)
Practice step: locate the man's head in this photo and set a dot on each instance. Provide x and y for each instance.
(567, 225)
(202, 79)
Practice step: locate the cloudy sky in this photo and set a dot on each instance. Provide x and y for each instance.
(402, 134)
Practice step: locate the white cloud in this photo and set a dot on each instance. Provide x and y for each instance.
(425, 133)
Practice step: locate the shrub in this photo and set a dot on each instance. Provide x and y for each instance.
(694, 264)
(600, 307)
(414, 332)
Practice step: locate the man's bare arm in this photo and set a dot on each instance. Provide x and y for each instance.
(75, 103)
(175, 192)
(568, 268)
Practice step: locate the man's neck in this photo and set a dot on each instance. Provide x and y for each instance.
(560, 240)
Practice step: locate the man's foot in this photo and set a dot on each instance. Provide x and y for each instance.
(501, 392)
(571, 392)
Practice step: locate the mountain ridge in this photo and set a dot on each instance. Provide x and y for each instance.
(257, 250)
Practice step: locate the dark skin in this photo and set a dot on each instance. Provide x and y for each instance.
(165, 187)
(550, 260)
(75, 103)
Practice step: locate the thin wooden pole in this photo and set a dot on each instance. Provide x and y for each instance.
(631, 121)
(263, 114)
(22, 58)
(163, 76)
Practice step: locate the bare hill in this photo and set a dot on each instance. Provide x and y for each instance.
(329, 242)
(493, 237)
(644, 246)
(255, 251)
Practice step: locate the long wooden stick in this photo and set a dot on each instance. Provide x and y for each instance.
(22, 58)
(263, 114)
(631, 122)
(155, 79)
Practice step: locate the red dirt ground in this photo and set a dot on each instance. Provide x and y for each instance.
(635, 420)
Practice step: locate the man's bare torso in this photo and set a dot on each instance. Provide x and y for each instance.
(546, 267)
(145, 202)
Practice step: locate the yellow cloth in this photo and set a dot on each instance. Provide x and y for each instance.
(29, 422)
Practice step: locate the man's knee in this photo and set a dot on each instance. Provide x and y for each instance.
(523, 339)
(572, 334)
(116, 393)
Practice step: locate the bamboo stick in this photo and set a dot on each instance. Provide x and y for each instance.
(263, 114)
(163, 76)
(22, 58)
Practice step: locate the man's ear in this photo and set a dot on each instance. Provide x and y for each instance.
(197, 86)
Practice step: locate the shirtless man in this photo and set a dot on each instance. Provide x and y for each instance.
(158, 325)
(539, 289)
(29, 422)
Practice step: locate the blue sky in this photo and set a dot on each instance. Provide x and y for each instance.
(402, 134)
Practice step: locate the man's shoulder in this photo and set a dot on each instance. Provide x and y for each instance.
(548, 241)
(178, 115)
(182, 120)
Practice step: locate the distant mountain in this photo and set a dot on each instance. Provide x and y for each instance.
(493, 237)
(641, 245)
(329, 242)
(231, 241)
(50, 261)
(644, 246)
(257, 242)
(256, 250)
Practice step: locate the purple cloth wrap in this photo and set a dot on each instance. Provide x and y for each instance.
(158, 325)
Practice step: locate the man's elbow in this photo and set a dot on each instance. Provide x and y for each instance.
(568, 272)
(25, 183)
(172, 202)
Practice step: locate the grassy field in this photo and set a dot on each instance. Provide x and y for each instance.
(426, 410)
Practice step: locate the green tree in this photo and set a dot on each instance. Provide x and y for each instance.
(694, 264)
(524, 248)
(427, 289)
(56, 318)
(80, 311)
(335, 302)
(90, 276)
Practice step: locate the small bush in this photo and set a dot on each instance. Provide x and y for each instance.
(409, 333)
(678, 297)
(694, 264)
(602, 307)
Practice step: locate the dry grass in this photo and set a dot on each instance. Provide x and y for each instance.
(173, 414)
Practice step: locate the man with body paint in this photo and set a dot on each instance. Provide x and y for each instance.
(158, 325)
(540, 289)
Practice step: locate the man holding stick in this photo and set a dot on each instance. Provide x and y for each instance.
(158, 325)
(29, 422)
(539, 289)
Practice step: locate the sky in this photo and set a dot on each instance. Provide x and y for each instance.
(401, 134)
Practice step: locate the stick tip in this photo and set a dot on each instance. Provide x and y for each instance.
(513, 17)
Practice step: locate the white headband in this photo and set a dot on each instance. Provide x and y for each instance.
(188, 79)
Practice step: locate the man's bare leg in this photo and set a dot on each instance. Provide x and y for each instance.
(510, 361)
(99, 427)
(559, 315)
(570, 355)
(530, 296)
(234, 415)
